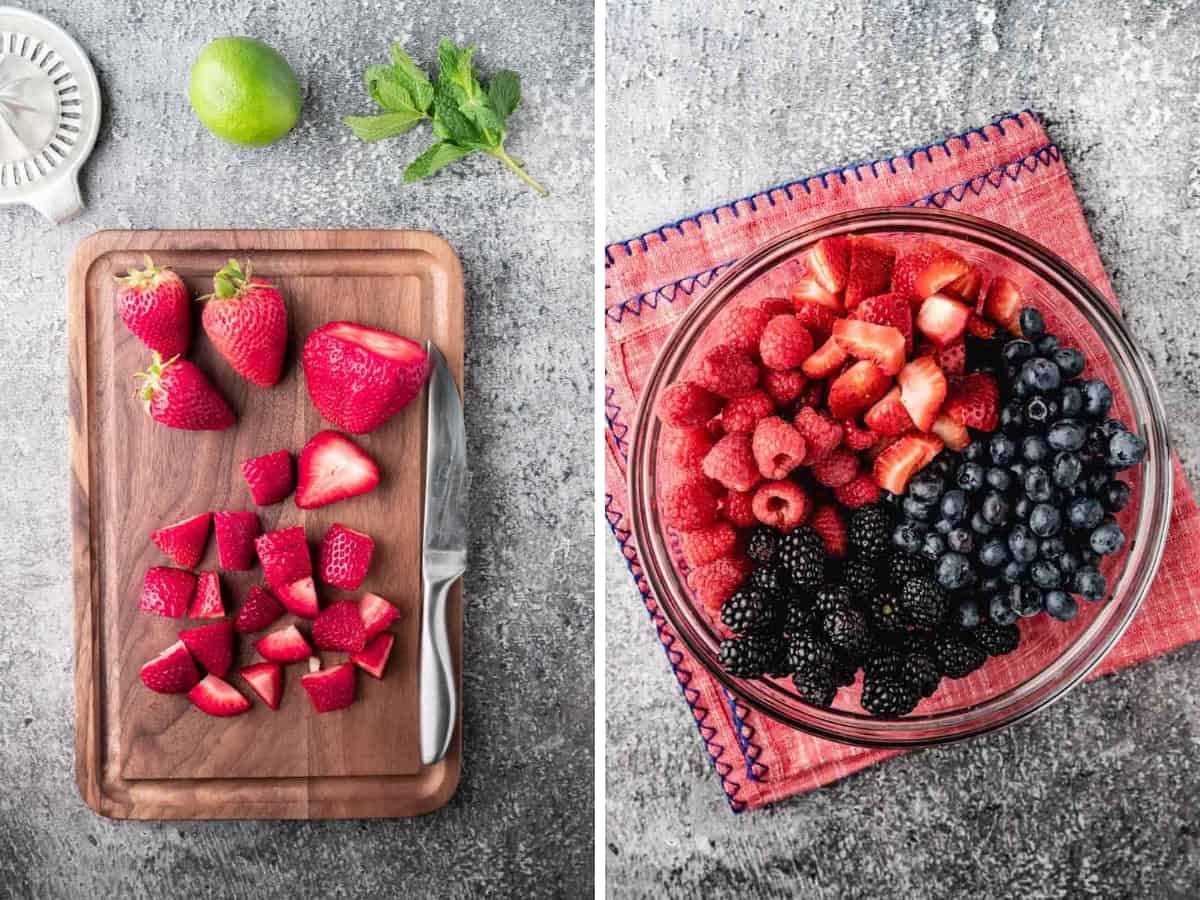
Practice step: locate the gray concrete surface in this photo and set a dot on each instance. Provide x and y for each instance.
(521, 822)
(1098, 797)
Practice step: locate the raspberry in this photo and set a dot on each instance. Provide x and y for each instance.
(836, 469)
(781, 504)
(742, 327)
(784, 386)
(738, 507)
(778, 447)
(816, 318)
(687, 405)
(785, 343)
(775, 306)
(719, 580)
(687, 447)
(822, 434)
(826, 522)
(689, 505)
(706, 544)
(813, 395)
(861, 490)
(731, 462)
(743, 413)
(727, 371)
(857, 438)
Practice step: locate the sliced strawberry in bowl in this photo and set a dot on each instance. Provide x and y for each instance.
(922, 391)
(882, 344)
(167, 591)
(183, 543)
(888, 415)
(857, 388)
(926, 271)
(974, 401)
(329, 689)
(942, 319)
(888, 309)
(373, 658)
(287, 645)
(171, 672)
(259, 611)
(340, 627)
(966, 287)
(953, 433)
(284, 556)
(952, 359)
(211, 645)
(206, 600)
(269, 477)
(331, 468)
(825, 360)
(217, 697)
(266, 680)
(814, 307)
(1003, 303)
(376, 614)
(344, 557)
(300, 598)
(236, 532)
(829, 262)
(870, 272)
(903, 459)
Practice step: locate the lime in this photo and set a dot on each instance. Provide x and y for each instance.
(244, 91)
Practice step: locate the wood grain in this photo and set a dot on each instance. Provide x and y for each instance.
(143, 755)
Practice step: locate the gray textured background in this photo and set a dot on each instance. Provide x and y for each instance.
(528, 265)
(1099, 795)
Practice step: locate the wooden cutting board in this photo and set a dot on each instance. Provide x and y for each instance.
(141, 755)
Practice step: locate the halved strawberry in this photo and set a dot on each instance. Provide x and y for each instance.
(829, 262)
(856, 389)
(870, 273)
(826, 359)
(183, 543)
(266, 680)
(171, 672)
(211, 644)
(300, 598)
(888, 309)
(966, 287)
(236, 532)
(206, 601)
(882, 344)
(287, 645)
(816, 318)
(922, 390)
(373, 658)
(808, 290)
(259, 611)
(952, 360)
(888, 416)
(340, 627)
(953, 434)
(331, 468)
(284, 556)
(974, 401)
(925, 272)
(376, 614)
(166, 591)
(903, 459)
(1003, 304)
(942, 320)
(218, 697)
(329, 689)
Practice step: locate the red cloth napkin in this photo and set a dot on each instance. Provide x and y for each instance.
(1007, 171)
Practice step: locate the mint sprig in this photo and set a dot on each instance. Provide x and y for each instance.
(467, 116)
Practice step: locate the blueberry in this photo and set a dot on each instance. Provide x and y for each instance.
(1012, 417)
(954, 505)
(994, 553)
(933, 546)
(1045, 520)
(994, 508)
(1051, 548)
(1014, 572)
(1070, 401)
(1047, 346)
(1124, 450)
(1023, 507)
(915, 509)
(1045, 574)
(970, 613)
(1019, 388)
(1115, 495)
(1090, 584)
(1108, 538)
(1037, 484)
(975, 451)
(1060, 605)
(1066, 434)
(1097, 399)
(943, 526)
(1017, 350)
(1022, 544)
(1003, 449)
(979, 525)
(998, 479)
(925, 488)
(1037, 410)
(1040, 375)
(1085, 513)
(1000, 610)
(960, 541)
(1069, 360)
(907, 537)
(1066, 469)
(1096, 482)
(1034, 448)
(952, 571)
(1068, 564)
(1019, 468)
(1109, 427)
(970, 477)
(1088, 557)
(1033, 326)
(1026, 600)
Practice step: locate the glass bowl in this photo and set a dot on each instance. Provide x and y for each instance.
(1053, 656)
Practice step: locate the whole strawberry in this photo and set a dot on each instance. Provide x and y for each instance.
(154, 304)
(246, 320)
(179, 395)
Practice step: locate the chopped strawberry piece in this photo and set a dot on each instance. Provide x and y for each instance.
(284, 646)
(821, 434)
(167, 591)
(742, 413)
(836, 469)
(966, 287)
(784, 387)
(340, 627)
(953, 434)
(259, 611)
(861, 490)
(218, 697)
(702, 546)
(827, 359)
(737, 507)
(888, 416)
(236, 532)
(270, 477)
(827, 522)
(687, 405)
(266, 680)
(870, 273)
(816, 318)
(284, 556)
(373, 658)
(329, 689)
(1003, 304)
(171, 672)
(300, 598)
(980, 327)
(344, 557)
(731, 463)
(922, 391)
(785, 343)
(882, 344)
(888, 309)
(857, 438)
(974, 402)
(857, 388)
(952, 360)
(781, 504)
(942, 320)
(742, 327)
(183, 543)
(376, 614)
(206, 601)
(903, 459)
(923, 273)
(778, 448)
(809, 290)
(211, 645)
(717, 582)
(829, 262)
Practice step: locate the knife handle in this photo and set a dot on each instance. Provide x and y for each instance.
(439, 695)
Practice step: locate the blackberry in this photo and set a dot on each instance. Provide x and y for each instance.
(859, 579)
(799, 616)
(884, 663)
(816, 687)
(997, 640)
(769, 579)
(868, 532)
(831, 598)
(923, 604)
(750, 611)
(887, 698)
(900, 567)
(761, 544)
(922, 673)
(844, 672)
(807, 651)
(956, 658)
(801, 556)
(750, 656)
(847, 631)
(778, 666)
(883, 612)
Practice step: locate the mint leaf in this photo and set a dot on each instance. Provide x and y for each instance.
(376, 128)
(455, 65)
(387, 91)
(456, 78)
(412, 78)
(504, 92)
(449, 123)
(436, 157)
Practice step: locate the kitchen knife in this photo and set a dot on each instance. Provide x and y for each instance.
(443, 554)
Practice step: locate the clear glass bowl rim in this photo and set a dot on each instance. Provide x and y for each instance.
(1146, 543)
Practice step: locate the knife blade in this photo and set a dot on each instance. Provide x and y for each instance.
(443, 554)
